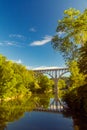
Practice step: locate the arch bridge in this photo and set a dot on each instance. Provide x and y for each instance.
(55, 73)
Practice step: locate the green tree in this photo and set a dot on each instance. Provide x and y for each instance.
(23, 78)
(6, 77)
(14, 79)
(77, 78)
(42, 84)
(73, 30)
(72, 37)
(61, 88)
(45, 84)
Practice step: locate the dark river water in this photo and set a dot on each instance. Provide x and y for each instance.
(21, 115)
(41, 121)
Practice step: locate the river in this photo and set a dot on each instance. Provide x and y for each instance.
(20, 115)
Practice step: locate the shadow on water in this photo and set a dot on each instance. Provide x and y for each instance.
(79, 122)
(19, 111)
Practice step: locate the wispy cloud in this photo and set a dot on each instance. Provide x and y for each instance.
(32, 30)
(19, 61)
(10, 43)
(29, 67)
(45, 40)
(17, 36)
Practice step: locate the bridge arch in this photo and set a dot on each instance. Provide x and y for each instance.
(55, 73)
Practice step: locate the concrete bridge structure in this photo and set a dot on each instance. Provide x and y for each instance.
(55, 73)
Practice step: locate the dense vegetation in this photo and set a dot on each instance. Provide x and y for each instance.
(71, 41)
(17, 81)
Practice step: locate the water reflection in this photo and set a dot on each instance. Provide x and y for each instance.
(14, 110)
(18, 113)
(11, 111)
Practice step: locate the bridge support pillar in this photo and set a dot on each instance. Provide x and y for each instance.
(55, 74)
(56, 93)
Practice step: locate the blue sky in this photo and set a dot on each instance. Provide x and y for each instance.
(27, 27)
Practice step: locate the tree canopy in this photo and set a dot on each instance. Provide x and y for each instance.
(16, 80)
(71, 33)
(71, 41)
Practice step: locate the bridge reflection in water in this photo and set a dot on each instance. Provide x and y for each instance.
(52, 107)
(55, 73)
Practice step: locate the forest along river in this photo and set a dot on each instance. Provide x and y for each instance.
(21, 115)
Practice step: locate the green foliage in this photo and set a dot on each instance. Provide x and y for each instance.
(16, 81)
(71, 41)
(77, 78)
(73, 97)
(61, 88)
(72, 30)
(42, 84)
(6, 76)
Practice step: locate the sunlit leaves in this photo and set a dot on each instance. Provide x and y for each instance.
(14, 79)
(77, 78)
(73, 28)
(72, 12)
(61, 88)
(72, 43)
